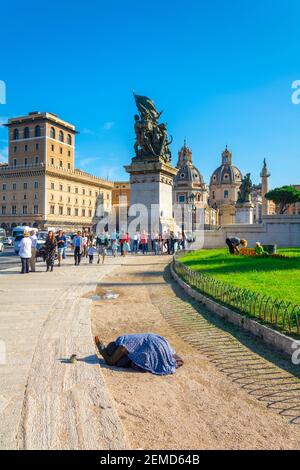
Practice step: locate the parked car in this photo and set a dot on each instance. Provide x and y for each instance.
(8, 241)
(1, 247)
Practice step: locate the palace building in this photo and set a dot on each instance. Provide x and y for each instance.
(40, 186)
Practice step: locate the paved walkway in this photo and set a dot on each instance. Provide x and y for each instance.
(46, 403)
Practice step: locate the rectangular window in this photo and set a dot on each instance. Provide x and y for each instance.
(36, 160)
(69, 189)
(25, 185)
(3, 198)
(60, 150)
(35, 209)
(69, 210)
(35, 196)
(76, 190)
(4, 187)
(14, 210)
(61, 188)
(15, 162)
(83, 212)
(25, 161)
(14, 186)
(36, 146)
(3, 210)
(83, 191)
(76, 212)
(52, 185)
(69, 166)
(24, 210)
(61, 210)
(15, 148)
(60, 163)
(90, 213)
(52, 161)
(36, 185)
(181, 199)
(52, 148)
(51, 210)
(226, 194)
(69, 153)
(26, 148)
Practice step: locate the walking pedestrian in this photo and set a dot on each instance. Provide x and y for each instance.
(85, 245)
(78, 247)
(61, 241)
(32, 260)
(144, 241)
(25, 252)
(155, 243)
(136, 242)
(126, 244)
(50, 250)
(102, 243)
(91, 251)
(114, 247)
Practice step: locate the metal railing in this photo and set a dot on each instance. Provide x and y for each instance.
(282, 315)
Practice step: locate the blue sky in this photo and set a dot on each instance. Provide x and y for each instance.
(220, 69)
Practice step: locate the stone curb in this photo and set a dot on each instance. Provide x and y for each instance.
(275, 339)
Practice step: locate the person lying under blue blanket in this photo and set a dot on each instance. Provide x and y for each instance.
(145, 352)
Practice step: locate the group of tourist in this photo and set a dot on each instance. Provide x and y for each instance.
(86, 245)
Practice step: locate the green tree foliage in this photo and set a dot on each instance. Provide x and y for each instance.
(283, 197)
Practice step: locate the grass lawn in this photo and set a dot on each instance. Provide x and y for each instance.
(278, 278)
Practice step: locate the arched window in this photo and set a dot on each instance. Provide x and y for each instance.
(52, 132)
(16, 134)
(37, 131)
(26, 133)
(69, 139)
(61, 136)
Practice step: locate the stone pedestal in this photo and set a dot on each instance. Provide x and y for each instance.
(151, 182)
(244, 213)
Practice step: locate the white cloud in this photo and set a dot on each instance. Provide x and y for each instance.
(107, 126)
(3, 155)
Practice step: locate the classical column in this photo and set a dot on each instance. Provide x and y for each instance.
(265, 188)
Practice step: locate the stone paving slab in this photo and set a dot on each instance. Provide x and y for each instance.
(45, 402)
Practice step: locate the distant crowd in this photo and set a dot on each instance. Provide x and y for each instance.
(95, 247)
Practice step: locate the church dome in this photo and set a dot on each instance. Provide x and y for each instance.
(226, 173)
(187, 172)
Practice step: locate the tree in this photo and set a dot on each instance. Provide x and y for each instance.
(283, 197)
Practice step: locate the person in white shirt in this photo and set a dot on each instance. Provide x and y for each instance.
(25, 252)
(33, 239)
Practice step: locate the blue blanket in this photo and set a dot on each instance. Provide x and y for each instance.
(150, 352)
